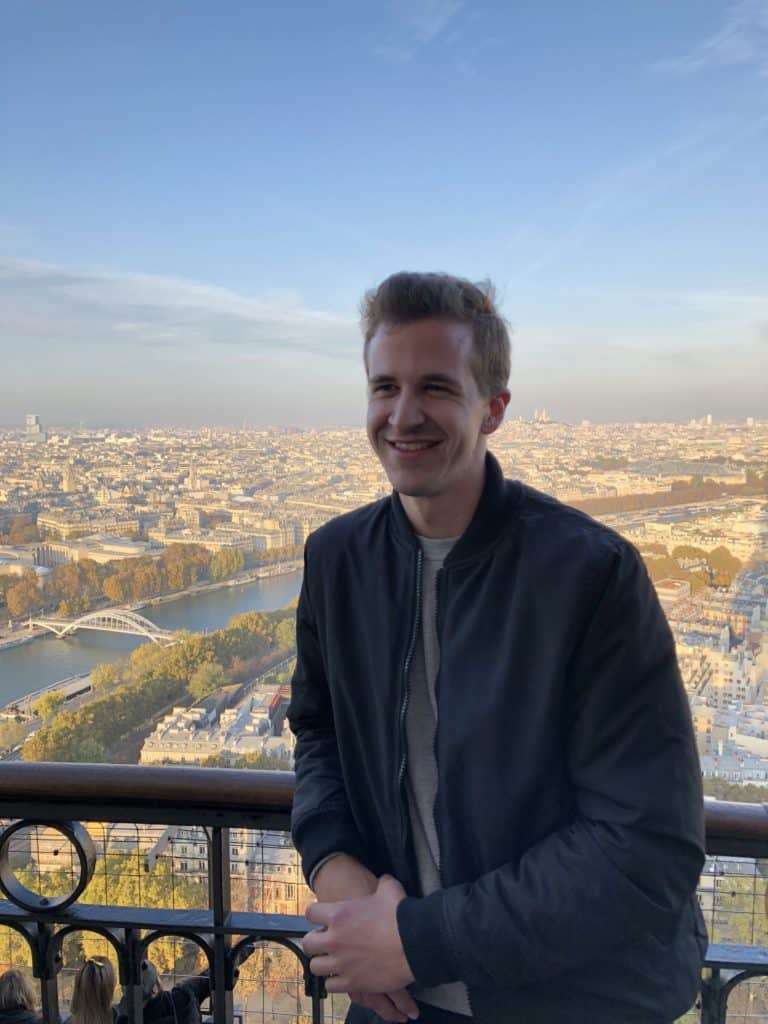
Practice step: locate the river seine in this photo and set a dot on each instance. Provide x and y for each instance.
(47, 660)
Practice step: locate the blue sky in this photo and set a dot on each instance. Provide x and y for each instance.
(194, 195)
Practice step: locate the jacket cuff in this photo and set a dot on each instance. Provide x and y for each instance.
(324, 834)
(425, 943)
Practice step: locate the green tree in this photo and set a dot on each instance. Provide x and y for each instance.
(285, 634)
(207, 678)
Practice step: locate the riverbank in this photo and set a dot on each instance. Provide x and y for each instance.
(11, 638)
(33, 666)
(69, 688)
(17, 641)
(261, 573)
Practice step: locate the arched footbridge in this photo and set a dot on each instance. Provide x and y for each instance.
(111, 620)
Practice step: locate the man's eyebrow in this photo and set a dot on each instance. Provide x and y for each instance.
(441, 378)
(427, 378)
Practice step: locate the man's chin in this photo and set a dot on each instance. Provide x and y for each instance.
(413, 488)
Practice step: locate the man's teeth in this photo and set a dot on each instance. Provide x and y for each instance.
(412, 446)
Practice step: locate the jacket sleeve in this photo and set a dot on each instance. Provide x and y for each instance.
(321, 820)
(630, 857)
(200, 987)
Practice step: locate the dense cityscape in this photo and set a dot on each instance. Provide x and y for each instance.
(96, 522)
(93, 519)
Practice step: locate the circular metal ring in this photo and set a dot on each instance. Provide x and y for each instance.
(75, 834)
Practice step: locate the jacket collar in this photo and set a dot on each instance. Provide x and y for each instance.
(491, 515)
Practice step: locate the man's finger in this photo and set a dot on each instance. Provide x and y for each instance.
(380, 1004)
(319, 913)
(314, 942)
(323, 966)
(334, 982)
(405, 1003)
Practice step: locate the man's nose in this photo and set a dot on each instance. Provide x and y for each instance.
(406, 412)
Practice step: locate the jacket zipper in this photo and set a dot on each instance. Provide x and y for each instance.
(406, 696)
(438, 579)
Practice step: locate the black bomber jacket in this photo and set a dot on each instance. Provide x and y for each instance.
(569, 806)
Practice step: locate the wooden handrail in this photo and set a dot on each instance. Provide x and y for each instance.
(229, 791)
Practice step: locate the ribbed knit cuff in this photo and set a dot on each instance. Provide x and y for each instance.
(422, 933)
(323, 834)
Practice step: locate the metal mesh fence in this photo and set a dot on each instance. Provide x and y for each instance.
(158, 866)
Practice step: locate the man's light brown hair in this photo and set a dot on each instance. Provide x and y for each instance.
(406, 297)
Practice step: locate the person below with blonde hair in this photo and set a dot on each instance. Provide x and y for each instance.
(93, 993)
(17, 999)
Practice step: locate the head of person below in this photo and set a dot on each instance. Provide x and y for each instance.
(93, 992)
(498, 800)
(180, 1005)
(17, 999)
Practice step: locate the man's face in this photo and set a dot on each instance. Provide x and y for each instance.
(425, 410)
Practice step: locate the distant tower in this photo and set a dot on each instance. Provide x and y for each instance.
(34, 433)
(69, 478)
(192, 479)
(750, 421)
(708, 419)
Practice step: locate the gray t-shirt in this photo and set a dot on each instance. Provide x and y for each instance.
(420, 727)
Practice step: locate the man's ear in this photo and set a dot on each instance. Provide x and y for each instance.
(497, 406)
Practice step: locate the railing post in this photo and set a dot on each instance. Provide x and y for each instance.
(132, 983)
(220, 895)
(314, 987)
(47, 971)
(713, 1003)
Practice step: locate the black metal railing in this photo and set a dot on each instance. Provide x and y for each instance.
(193, 869)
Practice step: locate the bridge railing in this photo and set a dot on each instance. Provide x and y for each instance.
(193, 869)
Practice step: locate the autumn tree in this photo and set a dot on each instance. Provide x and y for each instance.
(47, 705)
(114, 589)
(689, 552)
(25, 598)
(104, 677)
(227, 562)
(724, 566)
(21, 530)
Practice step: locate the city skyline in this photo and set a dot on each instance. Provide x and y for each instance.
(192, 206)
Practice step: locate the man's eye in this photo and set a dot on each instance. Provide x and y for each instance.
(379, 388)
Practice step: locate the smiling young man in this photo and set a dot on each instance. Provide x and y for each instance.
(498, 801)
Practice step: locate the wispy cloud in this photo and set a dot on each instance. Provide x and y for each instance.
(742, 39)
(733, 306)
(418, 23)
(612, 196)
(44, 301)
